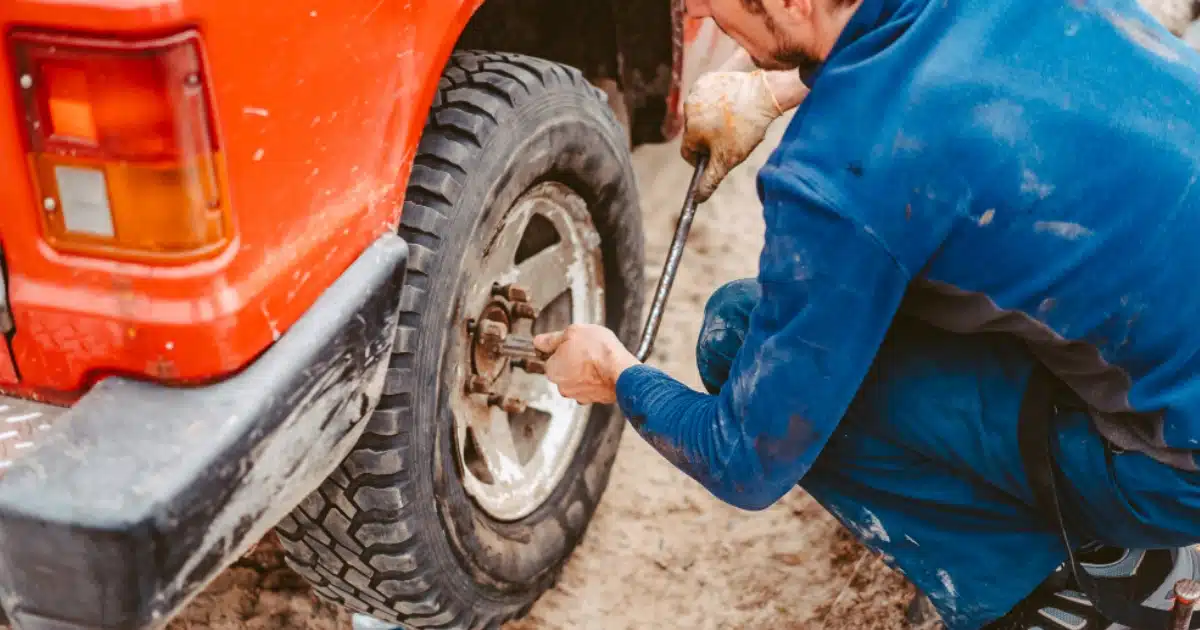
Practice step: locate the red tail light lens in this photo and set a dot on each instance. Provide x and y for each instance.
(122, 147)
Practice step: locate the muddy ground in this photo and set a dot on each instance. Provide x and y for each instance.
(661, 552)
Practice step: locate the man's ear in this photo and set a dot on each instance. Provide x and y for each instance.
(798, 8)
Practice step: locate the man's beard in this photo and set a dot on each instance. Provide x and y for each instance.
(788, 54)
(789, 59)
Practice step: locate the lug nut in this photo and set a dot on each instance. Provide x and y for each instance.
(530, 365)
(507, 403)
(511, 292)
(491, 333)
(496, 314)
(477, 385)
(524, 310)
(1187, 593)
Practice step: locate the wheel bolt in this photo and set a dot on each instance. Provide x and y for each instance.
(507, 403)
(530, 365)
(523, 310)
(477, 385)
(511, 292)
(491, 333)
(1187, 593)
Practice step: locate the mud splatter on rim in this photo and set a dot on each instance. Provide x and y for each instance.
(515, 440)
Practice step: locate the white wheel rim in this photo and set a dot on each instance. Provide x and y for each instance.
(511, 463)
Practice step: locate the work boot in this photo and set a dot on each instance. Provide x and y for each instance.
(1148, 576)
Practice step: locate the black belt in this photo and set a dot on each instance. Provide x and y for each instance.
(1038, 410)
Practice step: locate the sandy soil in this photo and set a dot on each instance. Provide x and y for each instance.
(661, 552)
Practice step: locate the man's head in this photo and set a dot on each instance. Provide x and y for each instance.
(780, 34)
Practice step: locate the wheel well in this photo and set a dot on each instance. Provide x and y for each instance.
(623, 46)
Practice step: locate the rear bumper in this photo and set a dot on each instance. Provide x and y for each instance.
(141, 493)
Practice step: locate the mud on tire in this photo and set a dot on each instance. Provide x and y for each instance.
(392, 532)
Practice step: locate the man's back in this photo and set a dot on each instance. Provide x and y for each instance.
(1033, 166)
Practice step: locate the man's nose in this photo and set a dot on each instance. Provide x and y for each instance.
(698, 8)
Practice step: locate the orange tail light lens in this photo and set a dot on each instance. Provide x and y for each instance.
(122, 147)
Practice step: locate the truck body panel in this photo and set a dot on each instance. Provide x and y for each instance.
(319, 107)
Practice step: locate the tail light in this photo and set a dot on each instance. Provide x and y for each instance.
(122, 147)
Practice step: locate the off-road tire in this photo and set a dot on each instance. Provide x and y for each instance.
(392, 533)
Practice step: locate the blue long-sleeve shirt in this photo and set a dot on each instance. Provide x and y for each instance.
(1025, 166)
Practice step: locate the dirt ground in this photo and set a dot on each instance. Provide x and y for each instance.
(661, 552)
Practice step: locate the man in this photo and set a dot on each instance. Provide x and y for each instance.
(974, 332)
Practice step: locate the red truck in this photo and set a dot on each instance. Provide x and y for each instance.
(248, 250)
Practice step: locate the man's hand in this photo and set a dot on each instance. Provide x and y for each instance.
(727, 114)
(585, 362)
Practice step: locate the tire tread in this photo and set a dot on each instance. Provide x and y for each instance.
(359, 548)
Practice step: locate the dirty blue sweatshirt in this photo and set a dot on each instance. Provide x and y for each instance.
(1027, 166)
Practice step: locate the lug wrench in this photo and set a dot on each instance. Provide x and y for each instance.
(671, 266)
(521, 347)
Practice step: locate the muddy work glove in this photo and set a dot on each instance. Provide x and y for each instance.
(726, 114)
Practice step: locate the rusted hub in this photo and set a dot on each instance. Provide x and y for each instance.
(541, 271)
(493, 322)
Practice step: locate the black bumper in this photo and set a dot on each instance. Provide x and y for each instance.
(143, 493)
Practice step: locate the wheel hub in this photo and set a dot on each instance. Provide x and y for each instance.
(492, 326)
(515, 434)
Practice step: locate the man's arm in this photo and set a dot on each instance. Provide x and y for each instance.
(829, 292)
